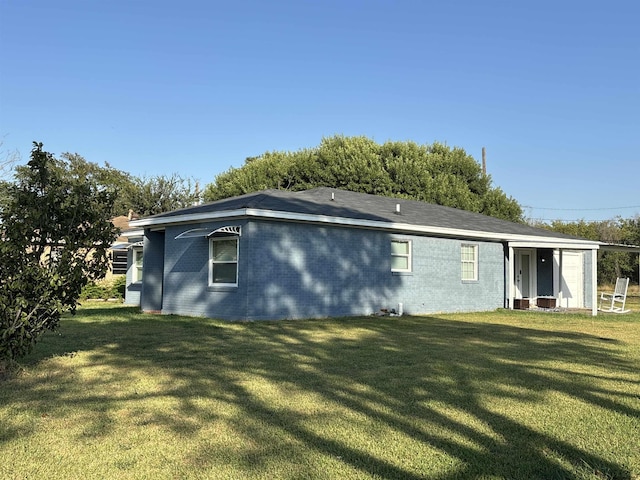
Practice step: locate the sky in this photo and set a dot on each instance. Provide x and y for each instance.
(551, 89)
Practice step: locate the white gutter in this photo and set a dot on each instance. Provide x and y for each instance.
(616, 247)
(518, 240)
(565, 244)
(189, 218)
(132, 233)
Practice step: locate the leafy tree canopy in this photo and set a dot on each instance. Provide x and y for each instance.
(119, 182)
(158, 194)
(55, 229)
(432, 173)
(611, 264)
(144, 195)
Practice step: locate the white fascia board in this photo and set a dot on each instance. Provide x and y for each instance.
(564, 244)
(190, 218)
(514, 240)
(132, 233)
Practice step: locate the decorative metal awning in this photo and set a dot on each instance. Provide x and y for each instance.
(207, 232)
(125, 245)
(119, 246)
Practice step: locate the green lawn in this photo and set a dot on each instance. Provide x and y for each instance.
(514, 395)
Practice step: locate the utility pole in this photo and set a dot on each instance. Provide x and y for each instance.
(484, 162)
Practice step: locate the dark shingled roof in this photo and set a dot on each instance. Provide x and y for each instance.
(362, 206)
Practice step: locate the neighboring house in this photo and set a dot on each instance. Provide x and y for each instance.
(327, 252)
(126, 257)
(129, 247)
(118, 250)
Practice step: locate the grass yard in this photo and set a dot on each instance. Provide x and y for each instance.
(513, 395)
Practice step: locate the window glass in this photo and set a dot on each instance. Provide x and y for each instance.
(224, 273)
(225, 250)
(399, 248)
(400, 256)
(469, 258)
(399, 263)
(137, 265)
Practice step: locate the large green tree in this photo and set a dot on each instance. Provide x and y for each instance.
(433, 173)
(144, 195)
(119, 182)
(55, 229)
(160, 193)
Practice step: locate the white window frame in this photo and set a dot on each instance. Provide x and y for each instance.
(473, 262)
(212, 262)
(407, 255)
(136, 270)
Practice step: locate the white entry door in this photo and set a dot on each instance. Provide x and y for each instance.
(572, 276)
(523, 273)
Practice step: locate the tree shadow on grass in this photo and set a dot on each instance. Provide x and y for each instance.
(424, 384)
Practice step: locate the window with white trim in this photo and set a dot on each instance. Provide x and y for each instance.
(469, 261)
(136, 274)
(223, 261)
(400, 255)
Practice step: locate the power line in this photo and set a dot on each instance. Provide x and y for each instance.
(566, 220)
(580, 209)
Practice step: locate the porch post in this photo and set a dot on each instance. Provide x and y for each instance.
(560, 278)
(594, 282)
(511, 286)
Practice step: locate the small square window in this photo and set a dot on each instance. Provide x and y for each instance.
(400, 256)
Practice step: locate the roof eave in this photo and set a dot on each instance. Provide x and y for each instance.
(617, 247)
(513, 239)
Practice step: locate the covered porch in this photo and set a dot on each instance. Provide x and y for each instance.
(552, 275)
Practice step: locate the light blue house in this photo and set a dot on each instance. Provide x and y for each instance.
(126, 257)
(326, 252)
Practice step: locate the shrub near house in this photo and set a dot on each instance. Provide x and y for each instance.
(51, 219)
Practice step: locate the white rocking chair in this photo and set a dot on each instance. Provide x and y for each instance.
(614, 302)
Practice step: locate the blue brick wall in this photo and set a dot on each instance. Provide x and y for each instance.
(186, 289)
(314, 271)
(436, 284)
(153, 266)
(289, 270)
(309, 271)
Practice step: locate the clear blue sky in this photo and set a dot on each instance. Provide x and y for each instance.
(550, 88)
